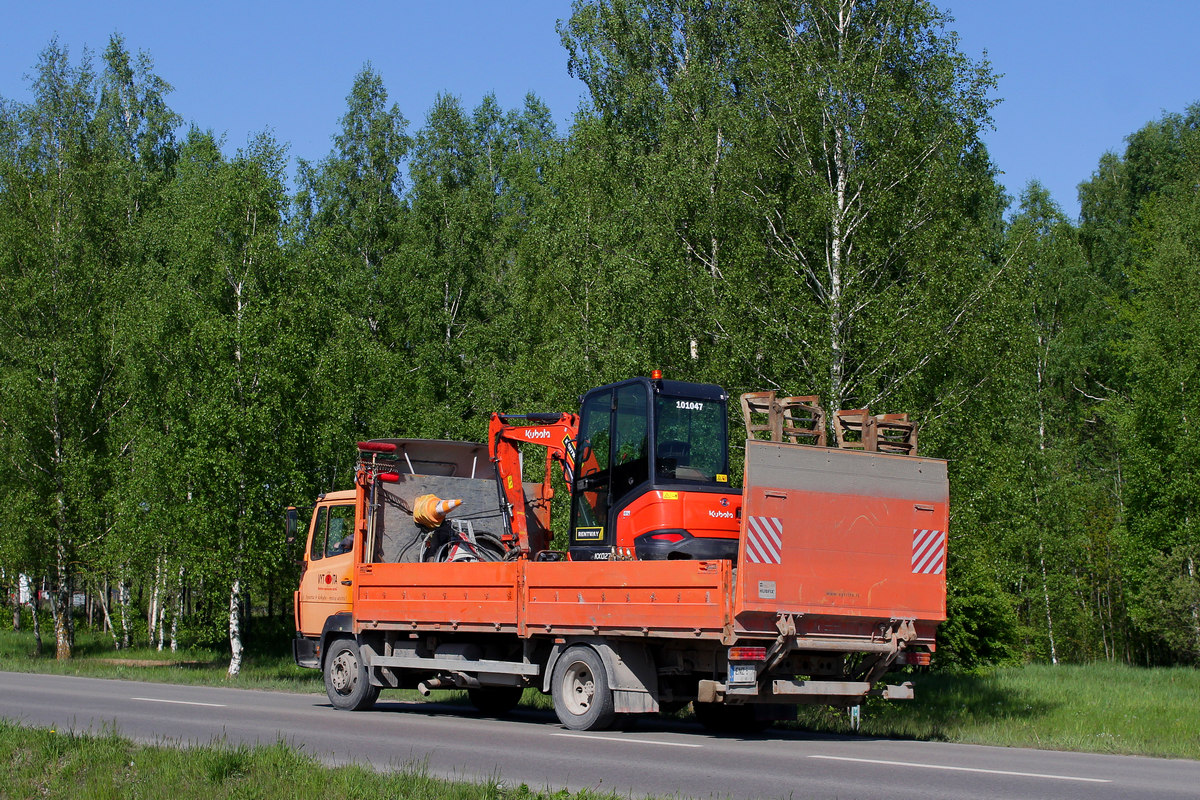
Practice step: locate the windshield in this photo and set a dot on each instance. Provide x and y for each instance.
(690, 439)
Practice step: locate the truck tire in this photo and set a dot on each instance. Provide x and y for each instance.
(722, 718)
(346, 681)
(495, 701)
(583, 698)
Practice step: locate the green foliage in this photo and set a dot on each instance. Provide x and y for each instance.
(781, 194)
(982, 627)
(66, 764)
(1096, 708)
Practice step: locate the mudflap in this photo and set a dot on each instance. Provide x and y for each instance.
(304, 651)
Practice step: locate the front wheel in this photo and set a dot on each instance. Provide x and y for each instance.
(346, 681)
(583, 698)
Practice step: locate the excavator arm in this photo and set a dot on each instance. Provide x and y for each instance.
(556, 432)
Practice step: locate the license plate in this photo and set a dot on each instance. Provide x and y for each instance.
(741, 673)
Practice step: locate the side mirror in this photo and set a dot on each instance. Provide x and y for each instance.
(291, 519)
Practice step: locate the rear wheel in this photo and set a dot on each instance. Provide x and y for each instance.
(583, 698)
(346, 682)
(495, 701)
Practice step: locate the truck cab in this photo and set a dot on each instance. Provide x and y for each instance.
(652, 474)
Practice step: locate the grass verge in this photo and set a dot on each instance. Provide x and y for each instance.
(52, 764)
(1094, 708)
(269, 667)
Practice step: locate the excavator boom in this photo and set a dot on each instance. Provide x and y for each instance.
(555, 431)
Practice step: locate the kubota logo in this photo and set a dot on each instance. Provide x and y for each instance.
(712, 512)
(539, 433)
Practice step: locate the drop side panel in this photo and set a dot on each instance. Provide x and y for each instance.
(636, 598)
(442, 596)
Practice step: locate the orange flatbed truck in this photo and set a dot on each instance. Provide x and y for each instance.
(838, 579)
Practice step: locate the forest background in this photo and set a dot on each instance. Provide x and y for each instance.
(788, 195)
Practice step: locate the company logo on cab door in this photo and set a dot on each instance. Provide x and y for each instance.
(326, 580)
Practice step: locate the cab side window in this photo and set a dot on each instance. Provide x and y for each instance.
(341, 530)
(317, 550)
(333, 532)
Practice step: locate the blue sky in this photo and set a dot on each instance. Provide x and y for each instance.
(1078, 77)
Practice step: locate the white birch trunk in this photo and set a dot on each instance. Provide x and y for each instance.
(837, 243)
(178, 612)
(123, 603)
(1042, 357)
(61, 604)
(235, 589)
(152, 606)
(108, 625)
(162, 613)
(235, 628)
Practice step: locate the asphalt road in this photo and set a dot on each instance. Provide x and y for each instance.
(662, 758)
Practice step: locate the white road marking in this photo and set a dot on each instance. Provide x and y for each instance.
(178, 702)
(622, 739)
(966, 769)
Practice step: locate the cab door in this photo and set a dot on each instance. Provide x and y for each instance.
(590, 535)
(326, 585)
(613, 467)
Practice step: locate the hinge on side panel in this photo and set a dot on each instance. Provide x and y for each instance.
(783, 644)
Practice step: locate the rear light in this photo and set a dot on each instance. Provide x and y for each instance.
(747, 654)
(918, 658)
(667, 537)
(377, 447)
(742, 672)
(389, 477)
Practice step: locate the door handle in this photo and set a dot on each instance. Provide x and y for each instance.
(347, 582)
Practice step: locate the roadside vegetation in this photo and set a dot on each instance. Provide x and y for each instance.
(268, 663)
(46, 763)
(1096, 708)
(1093, 708)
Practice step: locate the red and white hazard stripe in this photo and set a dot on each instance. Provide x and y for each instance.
(764, 540)
(928, 552)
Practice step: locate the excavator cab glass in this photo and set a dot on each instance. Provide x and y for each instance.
(631, 445)
(690, 438)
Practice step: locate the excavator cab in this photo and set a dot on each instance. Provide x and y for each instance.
(651, 478)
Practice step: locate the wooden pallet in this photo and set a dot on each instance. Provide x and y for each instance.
(799, 420)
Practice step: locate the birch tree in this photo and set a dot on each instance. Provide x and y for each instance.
(877, 195)
(238, 365)
(55, 338)
(825, 182)
(349, 212)
(651, 184)
(1159, 428)
(464, 279)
